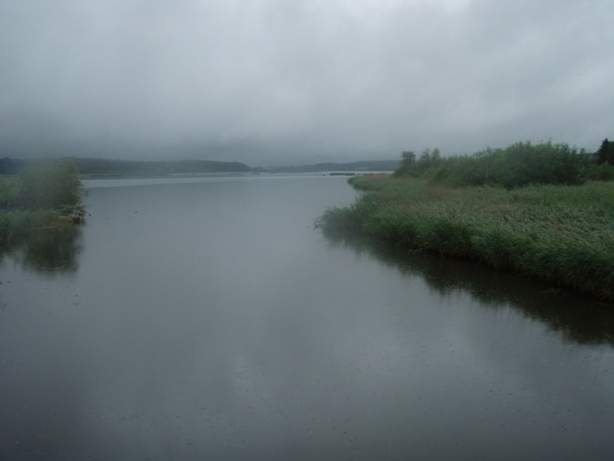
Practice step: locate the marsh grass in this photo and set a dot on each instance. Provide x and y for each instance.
(45, 194)
(560, 234)
(23, 221)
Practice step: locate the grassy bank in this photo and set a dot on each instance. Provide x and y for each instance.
(560, 234)
(44, 194)
(23, 221)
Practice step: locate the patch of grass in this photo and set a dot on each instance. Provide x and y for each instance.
(23, 221)
(560, 234)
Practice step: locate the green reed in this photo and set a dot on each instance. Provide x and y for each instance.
(560, 234)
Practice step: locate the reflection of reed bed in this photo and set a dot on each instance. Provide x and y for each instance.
(560, 234)
(580, 320)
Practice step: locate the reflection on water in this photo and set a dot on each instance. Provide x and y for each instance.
(581, 320)
(208, 320)
(46, 251)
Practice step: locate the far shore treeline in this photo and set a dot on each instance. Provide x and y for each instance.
(97, 167)
(106, 167)
(545, 210)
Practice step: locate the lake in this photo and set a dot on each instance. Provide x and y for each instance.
(206, 318)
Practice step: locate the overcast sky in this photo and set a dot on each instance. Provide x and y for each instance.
(295, 81)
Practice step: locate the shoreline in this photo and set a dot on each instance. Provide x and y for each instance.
(563, 235)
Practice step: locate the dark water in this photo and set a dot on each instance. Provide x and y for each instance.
(209, 320)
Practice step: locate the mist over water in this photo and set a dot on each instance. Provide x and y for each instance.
(207, 319)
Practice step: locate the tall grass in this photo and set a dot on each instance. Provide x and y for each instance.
(559, 234)
(23, 221)
(39, 196)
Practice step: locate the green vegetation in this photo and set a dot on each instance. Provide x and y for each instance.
(415, 168)
(560, 234)
(601, 167)
(605, 153)
(41, 195)
(518, 165)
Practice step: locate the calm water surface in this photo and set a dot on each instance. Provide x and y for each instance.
(206, 319)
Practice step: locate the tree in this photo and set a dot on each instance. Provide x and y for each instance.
(408, 164)
(51, 185)
(416, 168)
(605, 154)
(408, 157)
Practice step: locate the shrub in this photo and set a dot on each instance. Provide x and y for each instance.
(518, 165)
(40, 194)
(51, 185)
(599, 172)
(416, 168)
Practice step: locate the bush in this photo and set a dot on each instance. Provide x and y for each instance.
(51, 185)
(9, 193)
(518, 165)
(20, 222)
(599, 172)
(38, 197)
(421, 167)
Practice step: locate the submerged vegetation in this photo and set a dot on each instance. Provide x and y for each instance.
(474, 207)
(41, 195)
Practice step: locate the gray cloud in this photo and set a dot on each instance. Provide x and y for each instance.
(299, 81)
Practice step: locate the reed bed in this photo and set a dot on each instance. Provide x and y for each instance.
(21, 222)
(42, 195)
(560, 234)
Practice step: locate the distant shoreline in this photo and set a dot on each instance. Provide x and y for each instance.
(97, 167)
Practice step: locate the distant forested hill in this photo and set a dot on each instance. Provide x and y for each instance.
(367, 165)
(105, 167)
(88, 166)
(11, 166)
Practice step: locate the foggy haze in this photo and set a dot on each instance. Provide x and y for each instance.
(295, 81)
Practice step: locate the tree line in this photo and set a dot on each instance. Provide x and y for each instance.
(517, 165)
(107, 167)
